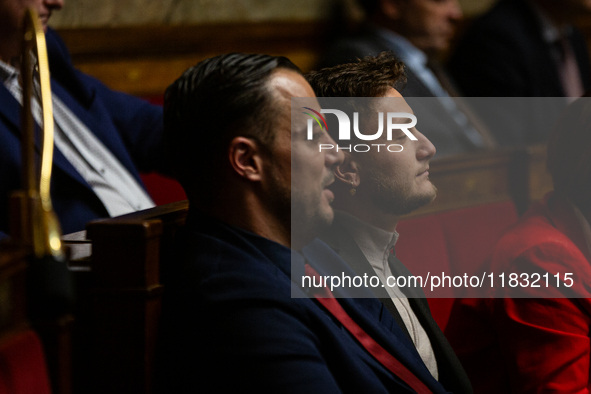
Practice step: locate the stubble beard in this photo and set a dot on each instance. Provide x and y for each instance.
(395, 198)
(299, 210)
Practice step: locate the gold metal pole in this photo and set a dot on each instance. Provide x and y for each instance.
(52, 231)
(37, 225)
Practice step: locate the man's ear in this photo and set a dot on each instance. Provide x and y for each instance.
(392, 9)
(245, 158)
(348, 171)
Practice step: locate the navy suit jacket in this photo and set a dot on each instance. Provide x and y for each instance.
(234, 321)
(129, 127)
(503, 54)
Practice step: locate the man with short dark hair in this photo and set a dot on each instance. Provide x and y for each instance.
(237, 315)
(373, 189)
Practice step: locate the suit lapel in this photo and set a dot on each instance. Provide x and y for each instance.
(582, 55)
(343, 243)
(11, 110)
(451, 373)
(398, 346)
(541, 49)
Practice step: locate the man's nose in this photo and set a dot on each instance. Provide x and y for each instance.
(426, 149)
(455, 11)
(333, 157)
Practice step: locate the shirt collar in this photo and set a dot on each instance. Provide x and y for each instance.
(404, 49)
(550, 32)
(374, 242)
(7, 72)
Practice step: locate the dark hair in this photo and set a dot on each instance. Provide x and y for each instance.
(368, 77)
(209, 105)
(371, 76)
(569, 153)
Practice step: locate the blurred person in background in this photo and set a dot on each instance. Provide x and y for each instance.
(102, 138)
(535, 337)
(524, 48)
(417, 32)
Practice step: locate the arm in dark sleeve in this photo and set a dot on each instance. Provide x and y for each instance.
(139, 123)
(247, 346)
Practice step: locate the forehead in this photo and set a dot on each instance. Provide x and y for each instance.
(289, 83)
(285, 85)
(392, 101)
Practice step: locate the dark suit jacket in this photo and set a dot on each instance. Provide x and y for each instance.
(451, 373)
(503, 54)
(433, 119)
(129, 127)
(235, 322)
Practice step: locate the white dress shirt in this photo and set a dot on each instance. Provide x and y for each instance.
(117, 189)
(376, 244)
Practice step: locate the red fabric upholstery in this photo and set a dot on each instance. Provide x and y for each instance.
(163, 190)
(22, 366)
(472, 233)
(157, 99)
(456, 242)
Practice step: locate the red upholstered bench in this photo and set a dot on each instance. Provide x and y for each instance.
(162, 190)
(456, 242)
(22, 365)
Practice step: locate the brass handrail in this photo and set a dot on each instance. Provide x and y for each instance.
(39, 226)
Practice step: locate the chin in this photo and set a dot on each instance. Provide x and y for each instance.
(430, 194)
(324, 218)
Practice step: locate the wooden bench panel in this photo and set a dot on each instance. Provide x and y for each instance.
(122, 299)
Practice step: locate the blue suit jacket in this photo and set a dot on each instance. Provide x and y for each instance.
(233, 326)
(129, 127)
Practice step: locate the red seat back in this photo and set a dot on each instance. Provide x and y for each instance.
(22, 365)
(163, 190)
(455, 242)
